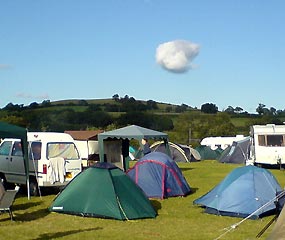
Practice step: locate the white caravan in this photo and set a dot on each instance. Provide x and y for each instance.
(268, 144)
(54, 160)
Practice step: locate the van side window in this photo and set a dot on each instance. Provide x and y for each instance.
(17, 149)
(36, 148)
(66, 150)
(5, 148)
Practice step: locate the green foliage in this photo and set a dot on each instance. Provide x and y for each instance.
(209, 108)
(191, 127)
(147, 120)
(182, 123)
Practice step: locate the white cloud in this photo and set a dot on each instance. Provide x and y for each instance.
(177, 56)
(4, 66)
(29, 96)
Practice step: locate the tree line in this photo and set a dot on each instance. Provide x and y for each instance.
(185, 126)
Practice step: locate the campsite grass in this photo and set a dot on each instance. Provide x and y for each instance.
(177, 217)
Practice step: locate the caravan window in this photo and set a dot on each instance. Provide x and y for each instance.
(66, 150)
(271, 140)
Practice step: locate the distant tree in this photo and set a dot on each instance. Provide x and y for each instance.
(184, 106)
(273, 111)
(112, 107)
(168, 109)
(201, 125)
(14, 107)
(34, 105)
(151, 104)
(181, 108)
(260, 108)
(162, 123)
(116, 97)
(134, 117)
(126, 98)
(9, 106)
(46, 103)
(94, 107)
(238, 109)
(230, 109)
(83, 103)
(209, 108)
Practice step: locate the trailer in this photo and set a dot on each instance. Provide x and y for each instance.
(87, 144)
(268, 144)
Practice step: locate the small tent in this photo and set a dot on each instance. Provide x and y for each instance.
(245, 192)
(114, 145)
(238, 152)
(159, 176)
(207, 153)
(179, 153)
(105, 191)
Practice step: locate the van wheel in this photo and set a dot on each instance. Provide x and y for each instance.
(34, 191)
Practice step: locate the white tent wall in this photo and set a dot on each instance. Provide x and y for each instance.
(86, 148)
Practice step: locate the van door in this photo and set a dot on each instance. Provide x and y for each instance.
(5, 152)
(16, 166)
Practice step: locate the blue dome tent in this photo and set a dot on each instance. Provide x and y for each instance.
(247, 191)
(159, 176)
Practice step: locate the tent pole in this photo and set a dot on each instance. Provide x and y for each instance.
(28, 188)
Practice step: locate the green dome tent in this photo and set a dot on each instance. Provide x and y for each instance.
(207, 153)
(105, 191)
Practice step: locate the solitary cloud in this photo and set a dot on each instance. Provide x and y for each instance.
(4, 66)
(177, 56)
(29, 96)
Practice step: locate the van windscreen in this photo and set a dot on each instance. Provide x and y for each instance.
(66, 150)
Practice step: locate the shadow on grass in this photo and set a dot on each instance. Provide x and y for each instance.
(193, 190)
(25, 206)
(156, 204)
(31, 216)
(185, 169)
(55, 235)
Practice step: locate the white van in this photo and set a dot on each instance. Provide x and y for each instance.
(45, 148)
(268, 144)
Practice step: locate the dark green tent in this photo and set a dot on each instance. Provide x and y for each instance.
(123, 136)
(105, 191)
(207, 153)
(12, 131)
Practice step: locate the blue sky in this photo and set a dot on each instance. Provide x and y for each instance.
(226, 52)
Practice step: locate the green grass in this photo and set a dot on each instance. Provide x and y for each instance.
(177, 217)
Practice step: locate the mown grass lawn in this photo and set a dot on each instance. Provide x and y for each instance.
(177, 217)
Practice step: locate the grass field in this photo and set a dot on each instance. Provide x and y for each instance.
(177, 217)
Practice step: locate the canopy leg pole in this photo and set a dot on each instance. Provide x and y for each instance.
(28, 188)
(266, 226)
